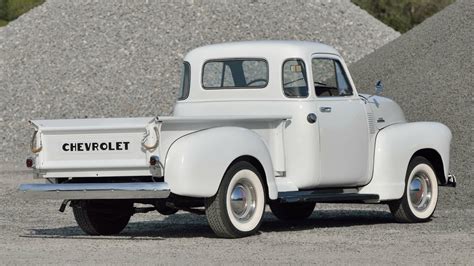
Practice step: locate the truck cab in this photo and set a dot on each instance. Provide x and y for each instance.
(256, 123)
(302, 80)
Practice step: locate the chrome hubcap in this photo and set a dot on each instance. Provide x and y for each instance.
(420, 191)
(243, 201)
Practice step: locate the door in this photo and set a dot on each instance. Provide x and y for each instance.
(343, 127)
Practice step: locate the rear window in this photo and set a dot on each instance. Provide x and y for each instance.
(235, 74)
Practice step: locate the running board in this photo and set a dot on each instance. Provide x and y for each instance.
(326, 196)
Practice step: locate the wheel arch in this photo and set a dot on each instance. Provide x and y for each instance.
(436, 161)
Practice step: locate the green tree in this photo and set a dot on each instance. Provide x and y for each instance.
(12, 9)
(3, 9)
(402, 15)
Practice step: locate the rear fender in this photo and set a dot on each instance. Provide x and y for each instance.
(196, 163)
(395, 146)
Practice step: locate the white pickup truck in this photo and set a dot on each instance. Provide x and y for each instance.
(256, 123)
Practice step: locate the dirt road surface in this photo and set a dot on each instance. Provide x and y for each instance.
(33, 231)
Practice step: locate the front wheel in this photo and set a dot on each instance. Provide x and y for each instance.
(421, 193)
(238, 207)
(102, 217)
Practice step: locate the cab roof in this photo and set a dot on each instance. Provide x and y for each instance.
(259, 49)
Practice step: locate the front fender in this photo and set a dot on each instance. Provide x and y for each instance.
(196, 163)
(394, 147)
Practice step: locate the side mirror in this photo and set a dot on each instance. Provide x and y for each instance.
(378, 87)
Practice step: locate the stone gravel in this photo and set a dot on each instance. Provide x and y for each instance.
(429, 72)
(34, 232)
(76, 59)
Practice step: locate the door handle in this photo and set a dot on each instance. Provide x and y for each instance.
(325, 109)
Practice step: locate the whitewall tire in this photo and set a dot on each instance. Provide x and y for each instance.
(238, 207)
(421, 193)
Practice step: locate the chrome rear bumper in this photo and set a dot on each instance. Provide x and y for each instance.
(76, 191)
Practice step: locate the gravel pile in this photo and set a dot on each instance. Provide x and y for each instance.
(76, 59)
(429, 72)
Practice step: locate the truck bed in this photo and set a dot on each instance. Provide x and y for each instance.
(114, 147)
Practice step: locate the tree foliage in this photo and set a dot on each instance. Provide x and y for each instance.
(12, 9)
(402, 15)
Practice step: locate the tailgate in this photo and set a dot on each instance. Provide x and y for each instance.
(93, 147)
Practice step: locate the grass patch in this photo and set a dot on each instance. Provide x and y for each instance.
(3, 23)
(402, 15)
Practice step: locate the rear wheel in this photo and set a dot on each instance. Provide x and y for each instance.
(292, 211)
(421, 193)
(237, 209)
(102, 217)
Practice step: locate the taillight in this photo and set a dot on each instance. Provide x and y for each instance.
(30, 162)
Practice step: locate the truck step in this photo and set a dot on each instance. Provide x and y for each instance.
(326, 196)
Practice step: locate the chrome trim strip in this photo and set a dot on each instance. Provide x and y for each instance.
(75, 191)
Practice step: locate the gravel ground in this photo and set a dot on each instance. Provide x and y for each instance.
(70, 59)
(429, 72)
(35, 232)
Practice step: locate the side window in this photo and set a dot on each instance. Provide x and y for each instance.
(329, 78)
(295, 84)
(185, 82)
(235, 73)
